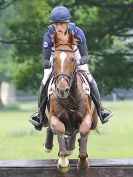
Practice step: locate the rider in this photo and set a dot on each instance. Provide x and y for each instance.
(60, 22)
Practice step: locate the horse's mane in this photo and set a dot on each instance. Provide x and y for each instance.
(64, 38)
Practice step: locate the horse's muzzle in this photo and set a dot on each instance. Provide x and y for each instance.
(63, 93)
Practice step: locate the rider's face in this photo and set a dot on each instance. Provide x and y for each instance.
(60, 27)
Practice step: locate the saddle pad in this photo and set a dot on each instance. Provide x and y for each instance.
(51, 87)
(85, 83)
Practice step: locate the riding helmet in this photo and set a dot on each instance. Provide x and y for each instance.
(60, 14)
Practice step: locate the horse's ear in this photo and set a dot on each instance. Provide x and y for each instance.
(72, 40)
(55, 38)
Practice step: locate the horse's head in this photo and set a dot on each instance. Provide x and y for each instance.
(64, 63)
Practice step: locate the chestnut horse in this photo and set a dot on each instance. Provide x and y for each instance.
(70, 105)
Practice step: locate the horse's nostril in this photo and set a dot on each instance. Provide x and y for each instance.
(67, 89)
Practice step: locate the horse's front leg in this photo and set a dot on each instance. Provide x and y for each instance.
(84, 131)
(70, 143)
(58, 128)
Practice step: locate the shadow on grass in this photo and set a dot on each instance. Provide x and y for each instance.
(21, 132)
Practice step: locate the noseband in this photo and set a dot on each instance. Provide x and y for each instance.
(69, 78)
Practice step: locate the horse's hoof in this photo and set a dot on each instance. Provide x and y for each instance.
(63, 169)
(46, 149)
(63, 164)
(83, 165)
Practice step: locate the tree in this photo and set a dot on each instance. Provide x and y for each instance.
(4, 4)
(26, 32)
(106, 24)
(6, 65)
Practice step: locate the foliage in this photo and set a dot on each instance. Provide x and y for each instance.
(107, 25)
(27, 31)
(6, 65)
(28, 75)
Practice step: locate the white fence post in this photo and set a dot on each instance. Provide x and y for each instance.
(8, 93)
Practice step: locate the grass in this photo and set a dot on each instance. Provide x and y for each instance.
(19, 140)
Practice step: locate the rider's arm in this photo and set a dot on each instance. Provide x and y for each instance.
(46, 50)
(82, 46)
(84, 53)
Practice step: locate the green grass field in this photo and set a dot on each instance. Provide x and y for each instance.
(19, 140)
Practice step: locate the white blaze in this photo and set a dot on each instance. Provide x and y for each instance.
(62, 58)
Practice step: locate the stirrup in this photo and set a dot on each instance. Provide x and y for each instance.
(107, 118)
(110, 115)
(33, 121)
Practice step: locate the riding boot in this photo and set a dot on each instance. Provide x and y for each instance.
(40, 118)
(103, 115)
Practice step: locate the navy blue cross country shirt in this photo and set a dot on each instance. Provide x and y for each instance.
(48, 44)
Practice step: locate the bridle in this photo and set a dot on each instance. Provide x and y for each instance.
(69, 77)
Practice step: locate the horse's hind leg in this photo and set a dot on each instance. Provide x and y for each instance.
(49, 140)
(94, 119)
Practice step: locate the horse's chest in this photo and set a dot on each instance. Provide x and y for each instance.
(69, 111)
(71, 119)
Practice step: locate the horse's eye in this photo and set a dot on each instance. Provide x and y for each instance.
(54, 59)
(72, 59)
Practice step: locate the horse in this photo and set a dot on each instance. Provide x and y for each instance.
(70, 106)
